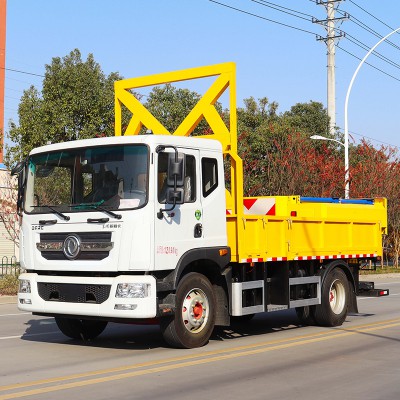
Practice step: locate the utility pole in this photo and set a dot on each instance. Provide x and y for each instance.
(3, 9)
(330, 40)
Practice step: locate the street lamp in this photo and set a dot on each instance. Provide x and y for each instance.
(318, 137)
(346, 128)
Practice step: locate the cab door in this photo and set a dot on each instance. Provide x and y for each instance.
(179, 230)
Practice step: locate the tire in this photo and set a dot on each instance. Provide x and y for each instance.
(193, 322)
(306, 315)
(334, 299)
(80, 328)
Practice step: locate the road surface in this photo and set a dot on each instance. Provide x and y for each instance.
(272, 357)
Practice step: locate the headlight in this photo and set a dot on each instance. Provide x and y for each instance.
(24, 286)
(133, 290)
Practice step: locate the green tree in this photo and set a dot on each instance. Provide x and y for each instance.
(275, 147)
(170, 105)
(76, 102)
(310, 118)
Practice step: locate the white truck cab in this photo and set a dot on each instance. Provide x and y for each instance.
(97, 222)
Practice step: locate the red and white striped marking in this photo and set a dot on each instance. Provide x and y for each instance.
(250, 260)
(335, 257)
(307, 258)
(257, 206)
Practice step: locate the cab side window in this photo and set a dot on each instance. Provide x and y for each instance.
(209, 171)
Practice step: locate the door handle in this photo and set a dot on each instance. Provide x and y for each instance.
(198, 230)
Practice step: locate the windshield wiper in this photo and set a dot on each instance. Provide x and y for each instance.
(63, 216)
(109, 212)
(96, 206)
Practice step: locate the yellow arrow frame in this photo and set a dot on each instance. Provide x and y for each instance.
(205, 108)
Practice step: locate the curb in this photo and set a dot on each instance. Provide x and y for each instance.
(371, 277)
(8, 299)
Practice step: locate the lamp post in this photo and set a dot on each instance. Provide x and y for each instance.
(318, 137)
(346, 128)
(346, 159)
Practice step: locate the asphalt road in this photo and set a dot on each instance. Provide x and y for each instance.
(273, 357)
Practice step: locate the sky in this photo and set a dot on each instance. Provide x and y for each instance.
(286, 64)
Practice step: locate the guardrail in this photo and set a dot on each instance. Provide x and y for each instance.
(9, 266)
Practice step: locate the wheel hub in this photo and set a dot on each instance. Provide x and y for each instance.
(337, 296)
(195, 310)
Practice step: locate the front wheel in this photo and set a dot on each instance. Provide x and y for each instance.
(334, 299)
(194, 319)
(80, 328)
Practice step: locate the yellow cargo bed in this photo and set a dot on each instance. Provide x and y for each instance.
(284, 228)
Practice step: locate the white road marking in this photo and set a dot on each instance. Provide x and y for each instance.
(10, 315)
(28, 335)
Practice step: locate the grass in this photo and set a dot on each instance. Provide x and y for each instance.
(380, 270)
(9, 285)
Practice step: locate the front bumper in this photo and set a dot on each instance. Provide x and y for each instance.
(111, 307)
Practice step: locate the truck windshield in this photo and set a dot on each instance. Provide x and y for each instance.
(87, 179)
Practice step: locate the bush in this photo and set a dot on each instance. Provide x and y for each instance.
(9, 285)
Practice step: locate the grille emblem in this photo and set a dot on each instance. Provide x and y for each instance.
(72, 246)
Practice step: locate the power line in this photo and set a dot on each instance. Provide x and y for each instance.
(370, 138)
(361, 24)
(375, 53)
(360, 44)
(373, 16)
(373, 66)
(266, 19)
(282, 9)
(22, 72)
(366, 47)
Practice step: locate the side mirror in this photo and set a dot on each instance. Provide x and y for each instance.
(18, 168)
(175, 196)
(175, 178)
(176, 169)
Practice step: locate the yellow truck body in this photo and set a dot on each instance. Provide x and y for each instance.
(290, 228)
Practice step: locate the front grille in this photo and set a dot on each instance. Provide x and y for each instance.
(85, 236)
(53, 245)
(74, 293)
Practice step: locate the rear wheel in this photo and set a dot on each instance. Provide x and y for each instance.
(80, 328)
(193, 322)
(334, 299)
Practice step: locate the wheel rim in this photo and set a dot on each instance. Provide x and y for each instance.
(195, 310)
(337, 296)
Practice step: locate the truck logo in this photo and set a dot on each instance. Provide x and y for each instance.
(197, 214)
(72, 246)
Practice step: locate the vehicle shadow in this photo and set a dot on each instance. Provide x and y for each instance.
(261, 324)
(115, 336)
(145, 337)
